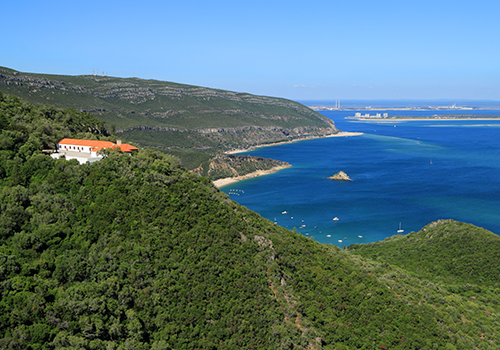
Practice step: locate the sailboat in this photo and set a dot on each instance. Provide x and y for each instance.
(400, 229)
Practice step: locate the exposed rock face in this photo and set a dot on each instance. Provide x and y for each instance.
(341, 176)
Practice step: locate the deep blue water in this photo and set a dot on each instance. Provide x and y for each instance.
(411, 172)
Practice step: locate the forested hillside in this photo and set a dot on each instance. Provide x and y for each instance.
(133, 252)
(191, 122)
(169, 115)
(446, 250)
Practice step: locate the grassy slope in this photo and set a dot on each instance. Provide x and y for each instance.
(132, 102)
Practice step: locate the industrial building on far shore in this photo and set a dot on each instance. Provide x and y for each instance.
(368, 116)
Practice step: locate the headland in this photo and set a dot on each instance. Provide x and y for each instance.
(229, 180)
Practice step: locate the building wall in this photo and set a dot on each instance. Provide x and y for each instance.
(77, 148)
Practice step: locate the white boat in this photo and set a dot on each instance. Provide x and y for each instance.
(284, 212)
(400, 229)
(340, 241)
(328, 235)
(336, 219)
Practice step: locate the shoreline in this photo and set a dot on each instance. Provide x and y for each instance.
(229, 180)
(339, 134)
(392, 120)
(418, 109)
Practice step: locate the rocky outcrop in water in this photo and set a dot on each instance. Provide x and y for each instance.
(340, 176)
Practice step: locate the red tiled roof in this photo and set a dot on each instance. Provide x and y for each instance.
(98, 145)
(125, 147)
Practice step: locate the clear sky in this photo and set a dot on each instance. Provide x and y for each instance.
(357, 49)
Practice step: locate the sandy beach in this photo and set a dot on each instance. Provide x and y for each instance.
(339, 134)
(229, 180)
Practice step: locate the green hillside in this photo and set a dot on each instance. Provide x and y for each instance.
(133, 252)
(446, 250)
(169, 115)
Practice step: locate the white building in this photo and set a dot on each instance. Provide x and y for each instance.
(86, 150)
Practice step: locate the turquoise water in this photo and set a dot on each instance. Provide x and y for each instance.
(411, 172)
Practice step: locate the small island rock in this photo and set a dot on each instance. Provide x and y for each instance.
(342, 176)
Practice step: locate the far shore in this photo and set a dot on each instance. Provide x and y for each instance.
(339, 134)
(392, 120)
(229, 180)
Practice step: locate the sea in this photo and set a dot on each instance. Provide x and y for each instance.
(405, 175)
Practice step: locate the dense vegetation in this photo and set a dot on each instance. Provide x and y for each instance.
(170, 115)
(193, 123)
(233, 165)
(132, 252)
(446, 251)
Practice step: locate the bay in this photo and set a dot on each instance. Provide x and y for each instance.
(408, 172)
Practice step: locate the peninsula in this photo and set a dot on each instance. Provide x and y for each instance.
(271, 167)
(444, 117)
(229, 180)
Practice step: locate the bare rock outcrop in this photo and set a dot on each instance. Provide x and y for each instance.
(340, 176)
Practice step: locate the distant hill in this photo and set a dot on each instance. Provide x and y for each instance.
(169, 115)
(133, 252)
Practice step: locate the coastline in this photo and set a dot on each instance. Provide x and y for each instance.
(339, 134)
(229, 180)
(392, 120)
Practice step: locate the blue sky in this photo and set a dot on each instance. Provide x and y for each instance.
(295, 49)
